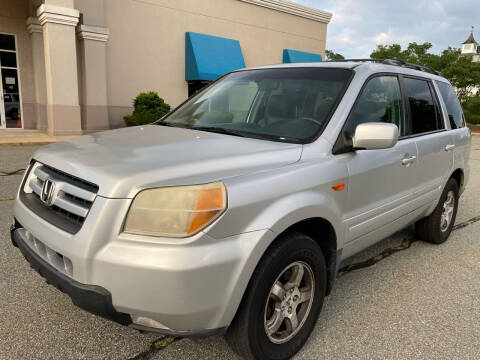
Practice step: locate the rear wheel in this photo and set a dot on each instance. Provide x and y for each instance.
(437, 227)
(282, 302)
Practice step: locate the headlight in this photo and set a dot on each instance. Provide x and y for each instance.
(178, 211)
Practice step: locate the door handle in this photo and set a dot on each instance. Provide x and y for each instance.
(409, 160)
(449, 147)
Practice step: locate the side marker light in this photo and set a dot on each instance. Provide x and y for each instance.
(339, 186)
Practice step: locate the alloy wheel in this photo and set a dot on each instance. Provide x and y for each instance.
(447, 214)
(289, 302)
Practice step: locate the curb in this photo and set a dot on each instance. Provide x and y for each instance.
(34, 143)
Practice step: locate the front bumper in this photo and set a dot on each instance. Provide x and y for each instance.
(91, 298)
(191, 287)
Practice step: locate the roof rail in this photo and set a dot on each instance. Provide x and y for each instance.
(394, 62)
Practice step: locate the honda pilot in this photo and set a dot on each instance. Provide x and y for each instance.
(232, 214)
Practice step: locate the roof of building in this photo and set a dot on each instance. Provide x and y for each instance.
(471, 39)
(290, 7)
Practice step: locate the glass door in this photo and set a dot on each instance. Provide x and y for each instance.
(10, 104)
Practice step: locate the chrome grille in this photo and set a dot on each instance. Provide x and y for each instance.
(70, 199)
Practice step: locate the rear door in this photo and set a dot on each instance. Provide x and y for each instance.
(460, 133)
(434, 142)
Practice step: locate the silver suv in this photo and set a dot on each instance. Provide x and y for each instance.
(232, 214)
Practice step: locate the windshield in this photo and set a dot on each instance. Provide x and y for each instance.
(289, 104)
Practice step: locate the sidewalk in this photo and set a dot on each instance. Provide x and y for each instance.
(28, 137)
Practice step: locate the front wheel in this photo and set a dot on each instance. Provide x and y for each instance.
(437, 227)
(282, 302)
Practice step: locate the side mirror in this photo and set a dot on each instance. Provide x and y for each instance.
(370, 136)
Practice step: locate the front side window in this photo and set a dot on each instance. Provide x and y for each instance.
(454, 109)
(289, 104)
(380, 101)
(424, 113)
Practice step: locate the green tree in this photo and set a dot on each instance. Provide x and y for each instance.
(147, 107)
(333, 55)
(414, 53)
(389, 52)
(459, 70)
(471, 109)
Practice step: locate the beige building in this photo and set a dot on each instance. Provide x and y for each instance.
(74, 66)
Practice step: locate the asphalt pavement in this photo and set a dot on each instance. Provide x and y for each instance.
(421, 303)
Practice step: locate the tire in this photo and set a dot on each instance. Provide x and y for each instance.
(432, 229)
(247, 334)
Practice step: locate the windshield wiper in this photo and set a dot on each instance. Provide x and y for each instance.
(220, 130)
(240, 133)
(203, 128)
(171, 124)
(247, 134)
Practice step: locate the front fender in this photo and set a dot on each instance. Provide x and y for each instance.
(277, 199)
(307, 205)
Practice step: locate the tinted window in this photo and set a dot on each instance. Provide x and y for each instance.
(424, 112)
(197, 85)
(8, 59)
(7, 42)
(10, 81)
(452, 104)
(380, 101)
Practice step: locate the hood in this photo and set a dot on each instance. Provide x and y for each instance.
(123, 161)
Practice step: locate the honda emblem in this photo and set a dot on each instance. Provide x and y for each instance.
(47, 192)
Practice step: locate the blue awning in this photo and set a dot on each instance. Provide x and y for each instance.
(209, 57)
(295, 56)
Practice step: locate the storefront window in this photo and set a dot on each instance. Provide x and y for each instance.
(10, 111)
(196, 85)
(7, 42)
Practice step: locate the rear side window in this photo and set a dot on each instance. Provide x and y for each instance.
(380, 101)
(454, 110)
(424, 112)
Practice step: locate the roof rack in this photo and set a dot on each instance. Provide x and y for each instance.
(394, 62)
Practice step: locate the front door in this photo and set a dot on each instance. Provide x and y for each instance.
(10, 109)
(381, 182)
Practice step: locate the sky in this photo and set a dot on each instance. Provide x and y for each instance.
(357, 26)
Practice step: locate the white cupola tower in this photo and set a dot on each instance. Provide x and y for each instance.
(470, 46)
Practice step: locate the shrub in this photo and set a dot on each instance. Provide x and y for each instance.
(471, 109)
(147, 108)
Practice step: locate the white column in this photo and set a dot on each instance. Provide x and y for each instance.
(63, 110)
(93, 70)
(38, 56)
